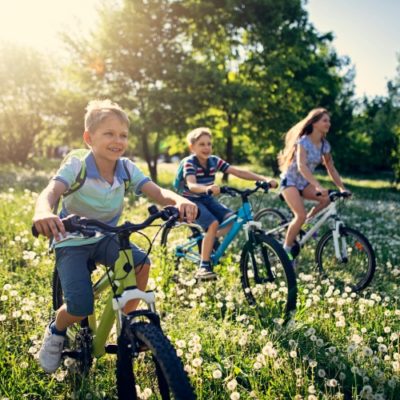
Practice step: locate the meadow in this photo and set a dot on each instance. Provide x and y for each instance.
(339, 345)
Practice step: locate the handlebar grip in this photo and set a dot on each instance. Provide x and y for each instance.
(34, 231)
(209, 192)
(318, 194)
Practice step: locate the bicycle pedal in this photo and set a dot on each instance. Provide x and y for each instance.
(111, 348)
(71, 354)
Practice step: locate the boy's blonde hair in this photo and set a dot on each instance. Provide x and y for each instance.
(194, 135)
(98, 110)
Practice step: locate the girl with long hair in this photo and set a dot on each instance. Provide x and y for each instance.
(306, 147)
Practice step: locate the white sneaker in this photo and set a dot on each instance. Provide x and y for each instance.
(50, 352)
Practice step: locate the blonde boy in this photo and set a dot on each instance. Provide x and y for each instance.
(199, 171)
(100, 197)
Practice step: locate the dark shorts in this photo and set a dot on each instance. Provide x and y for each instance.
(210, 210)
(72, 266)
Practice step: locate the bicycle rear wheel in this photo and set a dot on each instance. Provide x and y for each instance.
(163, 372)
(357, 264)
(271, 218)
(267, 276)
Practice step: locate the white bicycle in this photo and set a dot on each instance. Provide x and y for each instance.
(343, 254)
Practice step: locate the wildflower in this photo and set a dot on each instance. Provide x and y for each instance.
(231, 385)
(332, 383)
(235, 396)
(217, 374)
(321, 373)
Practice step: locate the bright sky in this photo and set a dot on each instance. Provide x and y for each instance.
(37, 22)
(368, 31)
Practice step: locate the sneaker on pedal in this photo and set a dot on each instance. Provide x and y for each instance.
(50, 352)
(206, 273)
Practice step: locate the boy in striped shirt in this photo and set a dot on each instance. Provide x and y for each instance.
(199, 171)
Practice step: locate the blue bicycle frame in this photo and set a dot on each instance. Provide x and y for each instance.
(243, 218)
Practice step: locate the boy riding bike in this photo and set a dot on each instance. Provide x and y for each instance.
(100, 195)
(198, 176)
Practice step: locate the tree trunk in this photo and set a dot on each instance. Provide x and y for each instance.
(229, 145)
(152, 166)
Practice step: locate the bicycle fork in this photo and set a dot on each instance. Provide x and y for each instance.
(339, 242)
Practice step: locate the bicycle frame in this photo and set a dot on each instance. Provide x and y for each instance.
(243, 219)
(124, 278)
(320, 219)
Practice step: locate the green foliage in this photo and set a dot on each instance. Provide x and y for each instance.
(25, 87)
(341, 345)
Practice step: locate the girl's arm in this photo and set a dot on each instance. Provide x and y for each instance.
(166, 197)
(248, 175)
(305, 171)
(332, 172)
(46, 222)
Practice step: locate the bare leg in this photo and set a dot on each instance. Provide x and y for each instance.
(296, 204)
(309, 193)
(64, 319)
(226, 229)
(142, 276)
(208, 241)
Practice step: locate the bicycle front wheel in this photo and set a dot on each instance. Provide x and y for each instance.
(272, 219)
(355, 267)
(267, 276)
(161, 370)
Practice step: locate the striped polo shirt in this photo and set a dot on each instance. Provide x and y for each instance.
(97, 198)
(204, 176)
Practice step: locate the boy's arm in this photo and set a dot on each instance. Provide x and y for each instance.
(45, 221)
(167, 197)
(334, 175)
(250, 176)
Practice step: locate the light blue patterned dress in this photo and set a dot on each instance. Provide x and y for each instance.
(292, 176)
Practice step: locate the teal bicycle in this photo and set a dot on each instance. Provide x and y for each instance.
(267, 275)
(137, 332)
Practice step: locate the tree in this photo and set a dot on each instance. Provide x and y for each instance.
(26, 92)
(137, 57)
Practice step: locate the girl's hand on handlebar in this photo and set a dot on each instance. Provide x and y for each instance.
(320, 191)
(50, 225)
(344, 190)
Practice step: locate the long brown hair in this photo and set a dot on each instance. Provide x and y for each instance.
(304, 127)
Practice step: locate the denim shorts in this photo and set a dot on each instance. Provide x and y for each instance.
(72, 266)
(284, 184)
(210, 210)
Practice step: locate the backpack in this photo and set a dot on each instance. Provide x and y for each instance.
(179, 182)
(82, 154)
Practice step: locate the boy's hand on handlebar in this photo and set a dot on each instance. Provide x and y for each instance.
(272, 183)
(187, 210)
(49, 225)
(215, 189)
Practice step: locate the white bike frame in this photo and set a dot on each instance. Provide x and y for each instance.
(321, 218)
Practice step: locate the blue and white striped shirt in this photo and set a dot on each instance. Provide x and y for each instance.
(204, 176)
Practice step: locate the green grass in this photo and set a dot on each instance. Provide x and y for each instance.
(339, 345)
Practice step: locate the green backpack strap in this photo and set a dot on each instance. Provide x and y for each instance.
(127, 182)
(81, 177)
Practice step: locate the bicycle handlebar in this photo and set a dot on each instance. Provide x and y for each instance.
(231, 191)
(75, 223)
